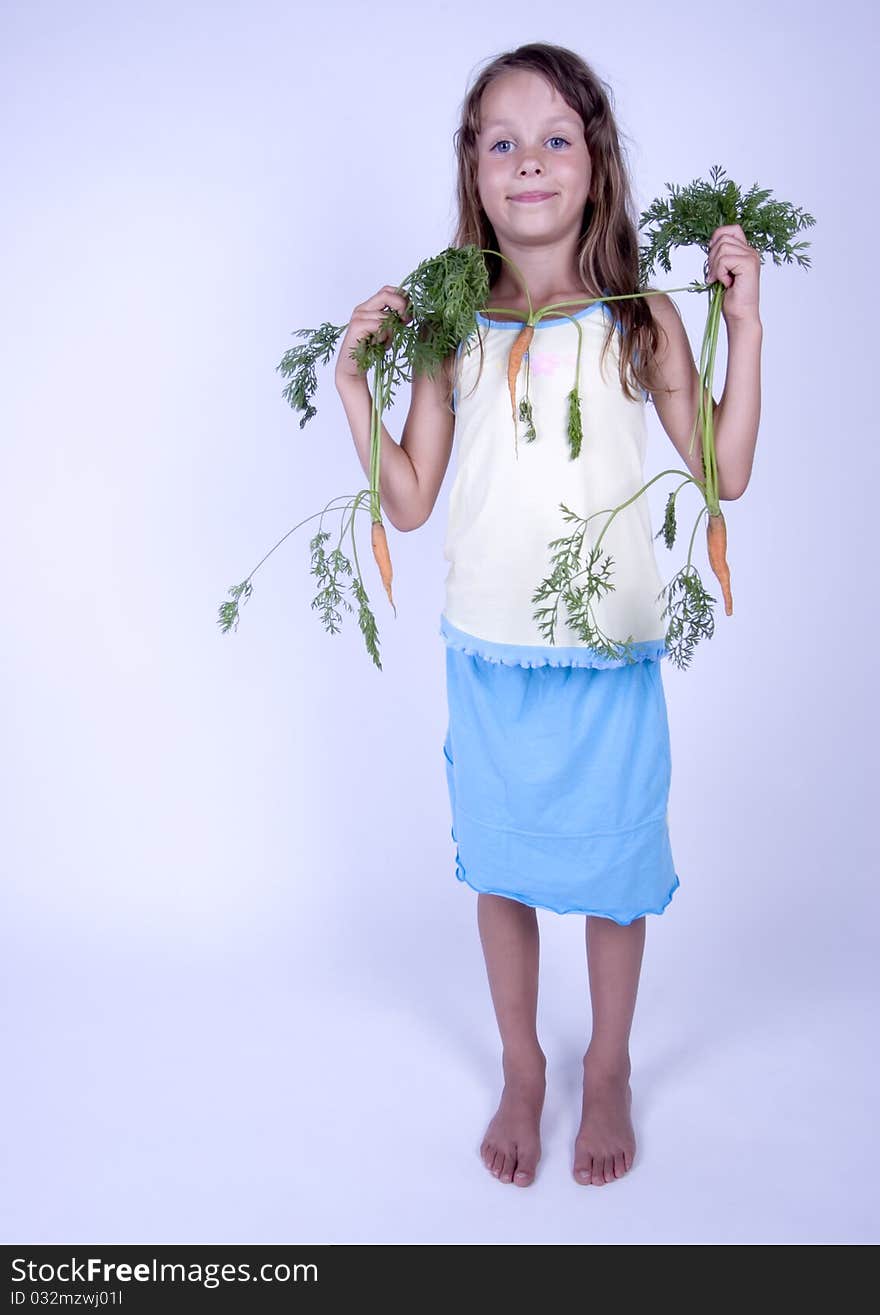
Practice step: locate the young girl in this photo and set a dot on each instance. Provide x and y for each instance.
(557, 756)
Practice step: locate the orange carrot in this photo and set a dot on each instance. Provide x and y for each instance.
(379, 540)
(716, 537)
(517, 352)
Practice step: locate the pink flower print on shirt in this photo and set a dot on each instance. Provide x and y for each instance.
(544, 362)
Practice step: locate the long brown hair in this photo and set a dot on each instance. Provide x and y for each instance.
(608, 257)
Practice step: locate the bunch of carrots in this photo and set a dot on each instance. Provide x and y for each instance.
(688, 219)
(444, 293)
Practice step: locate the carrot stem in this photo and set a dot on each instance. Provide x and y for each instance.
(615, 510)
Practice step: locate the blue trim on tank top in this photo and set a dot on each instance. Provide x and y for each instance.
(542, 324)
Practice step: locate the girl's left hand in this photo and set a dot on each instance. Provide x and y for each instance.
(736, 265)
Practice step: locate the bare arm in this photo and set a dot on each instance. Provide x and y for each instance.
(411, 472)
(398, 486)
(674, 368)
(428, 435)
(739, 411)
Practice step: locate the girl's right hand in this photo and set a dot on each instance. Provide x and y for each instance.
(365, 320)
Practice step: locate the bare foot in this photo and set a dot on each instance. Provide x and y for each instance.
(605, 1144)
(511, 1147)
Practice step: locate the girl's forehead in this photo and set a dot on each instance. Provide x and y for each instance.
(504, 108)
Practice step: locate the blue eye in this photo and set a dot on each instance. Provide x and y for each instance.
(550, 139)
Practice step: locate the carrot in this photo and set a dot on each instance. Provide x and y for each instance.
(379, 540)
(716, 538)
(517, 352)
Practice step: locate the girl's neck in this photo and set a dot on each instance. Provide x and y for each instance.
(505, 295)
(519, 303)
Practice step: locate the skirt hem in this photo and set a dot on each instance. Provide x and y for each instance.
(620, 919)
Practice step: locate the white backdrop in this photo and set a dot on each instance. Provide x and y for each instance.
(244, 994)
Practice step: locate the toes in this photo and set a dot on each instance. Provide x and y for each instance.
(506, 1174)
(609, 1168)
(583, 1168)
(597, 1176)
(525, 1170)
(620, 1166)
(497, 1162)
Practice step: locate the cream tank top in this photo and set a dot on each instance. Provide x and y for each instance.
(504, 502)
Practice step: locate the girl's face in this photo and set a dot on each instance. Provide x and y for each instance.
(531, 140)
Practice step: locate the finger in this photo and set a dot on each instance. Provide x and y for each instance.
(367, 321)
(384, 325)
(724, 256)
(730, 242)
(393, 297)
(402, 306)
(370, 316)
(389, 295)
(729, 228)
(727, 270)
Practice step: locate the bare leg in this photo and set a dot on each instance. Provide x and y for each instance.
(605, 1144)
(509, 935)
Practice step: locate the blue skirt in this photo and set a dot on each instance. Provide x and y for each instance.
(558, 783)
